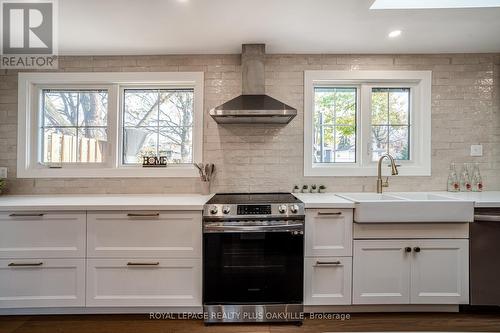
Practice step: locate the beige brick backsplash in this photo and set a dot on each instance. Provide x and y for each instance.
(465, 111)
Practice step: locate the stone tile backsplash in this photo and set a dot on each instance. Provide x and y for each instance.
(465, 111)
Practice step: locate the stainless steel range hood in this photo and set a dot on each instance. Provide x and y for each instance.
(253, 106)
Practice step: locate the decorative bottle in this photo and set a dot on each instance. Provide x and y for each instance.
(477, 180)
(453, 184)
(465, 185)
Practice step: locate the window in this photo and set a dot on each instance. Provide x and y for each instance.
(352, 118)
(390, 123)
(335, 124)
(102, 124)
(158, 122)
(73, 126)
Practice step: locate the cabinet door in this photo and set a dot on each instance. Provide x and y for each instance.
(328, 281)
(440, 272)
(381, 272)
(26, 283)
(144, 234)
(42, 235)
(144, 282)
(328, 232)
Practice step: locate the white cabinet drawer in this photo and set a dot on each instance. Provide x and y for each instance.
(144, 282)
(42, 283)
(144, 234)
(328, 232)
(42, 235)
(328, 281)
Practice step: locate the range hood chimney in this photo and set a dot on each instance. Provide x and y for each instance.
(253, 106)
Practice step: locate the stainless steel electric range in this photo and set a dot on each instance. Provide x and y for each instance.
(253, 259)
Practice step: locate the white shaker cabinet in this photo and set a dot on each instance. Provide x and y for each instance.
(39, 282)
(381, 272)
(410, 271)
(440, 272)
(328, 257)
(151, 234)
(328, 232)
(144, 282)
(42, 234)
(328, 281)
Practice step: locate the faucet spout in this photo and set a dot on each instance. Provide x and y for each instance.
(394, 171)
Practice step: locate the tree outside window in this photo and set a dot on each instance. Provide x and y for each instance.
(158, 122)
(74, 126)
(390, 124)
(335, 111)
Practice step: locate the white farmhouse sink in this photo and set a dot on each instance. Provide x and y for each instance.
(409, 207)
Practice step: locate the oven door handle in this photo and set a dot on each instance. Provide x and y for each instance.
(486, 218)
(254, 228)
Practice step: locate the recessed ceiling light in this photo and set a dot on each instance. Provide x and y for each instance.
(428, 4)
(394, 34)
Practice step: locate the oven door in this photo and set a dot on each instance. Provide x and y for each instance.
(253, 266)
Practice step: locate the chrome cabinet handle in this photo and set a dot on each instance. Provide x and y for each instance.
(330, 213)
(416, 249)
(143, 214)
(143, 263)
(26, 215)
(27, 264)
(408, 249)
(328, 263)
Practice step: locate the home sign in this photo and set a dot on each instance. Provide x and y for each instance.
(154, 161)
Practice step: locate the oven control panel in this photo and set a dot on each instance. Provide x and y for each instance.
(252, 210)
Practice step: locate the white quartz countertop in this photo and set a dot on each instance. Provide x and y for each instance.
(323, 200)
(103, 202)
(189, 201)
(481, 199)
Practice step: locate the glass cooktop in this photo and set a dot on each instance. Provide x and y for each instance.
(253, 198)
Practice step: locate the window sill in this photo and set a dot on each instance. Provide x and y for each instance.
(357, 171)
(128, 172)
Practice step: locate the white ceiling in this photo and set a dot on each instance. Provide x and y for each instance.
(106, 27)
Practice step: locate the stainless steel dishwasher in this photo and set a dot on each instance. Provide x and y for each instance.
(485, 257)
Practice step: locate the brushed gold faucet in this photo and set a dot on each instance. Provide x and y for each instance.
(394, 169)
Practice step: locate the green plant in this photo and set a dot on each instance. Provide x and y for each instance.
(3, 184)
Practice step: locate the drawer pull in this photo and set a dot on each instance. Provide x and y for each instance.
(143, 214)
(27, 264)
(328, 263)
(330, 213)
(143, 263)
(26, 215)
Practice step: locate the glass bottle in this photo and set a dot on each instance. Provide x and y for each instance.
(453, 184)
(477, 180)
(465, 185)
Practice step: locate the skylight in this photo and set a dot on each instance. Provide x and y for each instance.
(428, 4)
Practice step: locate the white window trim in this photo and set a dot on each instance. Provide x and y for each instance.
(28, 116)
(420, 124)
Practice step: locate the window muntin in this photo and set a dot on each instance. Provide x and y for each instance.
(73, 126)
(158, 122)
(390, 123)
(335, 110)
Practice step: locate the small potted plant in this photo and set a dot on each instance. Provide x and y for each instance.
(314, 188)
(3, 185)
(322, 189)
(296, 189)
(305, 188)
